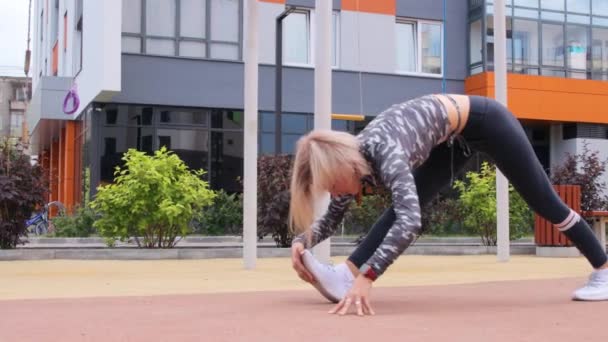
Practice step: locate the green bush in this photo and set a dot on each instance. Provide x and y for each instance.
(22, 191)
(80, 224)
(360, 217)
(223, 217)
(443, 216)
(478, 206)
(274, 175)
(154, 198)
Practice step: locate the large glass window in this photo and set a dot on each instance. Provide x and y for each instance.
(576, 50)
(553, 49)
(209, 139)
(293, 126)
(419, 46)
(599, 54)
(189, 28)
(475, 41)
(525, 45)
(490, 41)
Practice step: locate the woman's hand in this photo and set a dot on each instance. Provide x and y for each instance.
(359, 295)
(296, 260)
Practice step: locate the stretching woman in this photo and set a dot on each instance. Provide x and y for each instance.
(407, 148)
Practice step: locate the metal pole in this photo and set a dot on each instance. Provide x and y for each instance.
(323, 97)
(278, 84)
(500, 86)
(250, 131)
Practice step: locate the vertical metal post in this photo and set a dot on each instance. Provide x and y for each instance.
(322, 117)
(250, 131)
(500, 74)
(278, 83)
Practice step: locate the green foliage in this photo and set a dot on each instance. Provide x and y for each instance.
(443, 216)
(80, 224)
(360, 218)
(154, 197)
(478, 206)
(585, 169)
(22, 190)
(223, 217)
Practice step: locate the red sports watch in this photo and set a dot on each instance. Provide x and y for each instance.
(368, 272)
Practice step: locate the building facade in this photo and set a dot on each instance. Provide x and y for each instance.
(152, 73)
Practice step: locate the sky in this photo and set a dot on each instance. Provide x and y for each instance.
(13, 36)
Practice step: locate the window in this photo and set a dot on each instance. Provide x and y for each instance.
(187, 28)
(576, 50)
(160, 27)
(406, 47)
(16, 123)
(298, 38)
(419, 47)
(293, 126)
(525, 45)
(553, 48)
(131, 24)
(475, 53)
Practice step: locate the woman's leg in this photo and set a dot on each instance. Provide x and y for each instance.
(430, 177)
(506, 142)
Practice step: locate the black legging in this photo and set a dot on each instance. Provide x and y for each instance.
(492, 129)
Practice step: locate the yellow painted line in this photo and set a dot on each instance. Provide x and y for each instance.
(348, 117)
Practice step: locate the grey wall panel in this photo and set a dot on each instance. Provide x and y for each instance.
(428, 9)
(181, 82)
(199, 83)
(456, 28)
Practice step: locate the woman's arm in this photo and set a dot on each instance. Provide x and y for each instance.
(326, 225)
(397, 176)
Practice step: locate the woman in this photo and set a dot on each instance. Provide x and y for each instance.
(414, 149)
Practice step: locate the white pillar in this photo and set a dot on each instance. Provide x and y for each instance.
(500, 86)
(323, 38)
(250, 131)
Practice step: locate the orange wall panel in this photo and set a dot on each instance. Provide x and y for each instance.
(61, 167)
(54, 175)
(371, 6)
(55, 59)
(548, 98)
(274, 1)
(69, 166)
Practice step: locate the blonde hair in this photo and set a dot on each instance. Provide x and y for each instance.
(321, 158)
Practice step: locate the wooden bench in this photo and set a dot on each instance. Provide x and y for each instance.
(546, 235)
(599, 220)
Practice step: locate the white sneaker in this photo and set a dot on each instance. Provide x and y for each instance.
(332, 281)
(595, 289)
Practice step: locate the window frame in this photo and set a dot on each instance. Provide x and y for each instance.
(418, 23)
(311, 23)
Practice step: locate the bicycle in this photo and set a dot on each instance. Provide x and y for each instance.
(39, 224)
